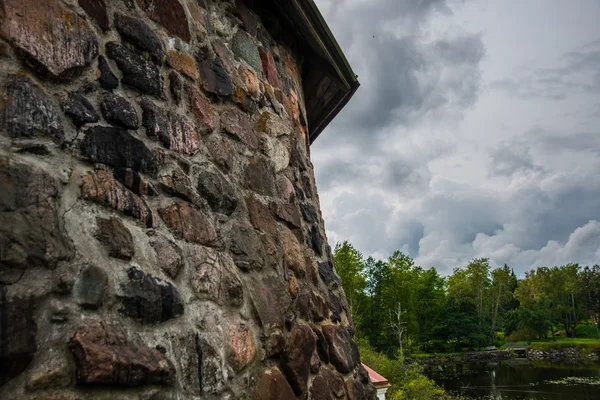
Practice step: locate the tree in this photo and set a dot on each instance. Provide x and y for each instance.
(589, 287)
(350, 267)
(504, 283)
(398, 325)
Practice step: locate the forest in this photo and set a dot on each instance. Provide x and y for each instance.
(400, 308)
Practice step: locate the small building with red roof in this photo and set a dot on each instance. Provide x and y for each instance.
(380, 383)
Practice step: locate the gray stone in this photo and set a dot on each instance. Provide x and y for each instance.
(218, 192)
(115, 237)
(309, 213)
(118, 111)
(89, 287)
(32, 233)
(328, 275)
(80, 110)
(244, 47)
(141, 35)
(117, 148)
(148, 299)
(260, 176)
(29, 111)
(246, 247)
(108, 80)
(137, 72)
(276, 152)
(215, 277)
(176, 86)
(211, 369)
(177, 183)
(18, 332)
(213, 76)
(316, 240)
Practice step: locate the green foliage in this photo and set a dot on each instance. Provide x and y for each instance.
(408, 380)
(420, 388)
(399, 308)
(588, 347)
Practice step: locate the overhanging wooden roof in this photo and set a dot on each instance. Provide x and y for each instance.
(329, 81)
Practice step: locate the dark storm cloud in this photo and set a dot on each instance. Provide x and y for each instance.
(402, 77)
(540, 202)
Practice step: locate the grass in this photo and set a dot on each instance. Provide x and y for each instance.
(587, 345)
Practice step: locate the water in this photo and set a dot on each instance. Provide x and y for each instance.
(517, 380)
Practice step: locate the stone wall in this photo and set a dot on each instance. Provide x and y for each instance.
(160, 232)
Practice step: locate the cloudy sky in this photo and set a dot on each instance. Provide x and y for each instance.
(475, 133)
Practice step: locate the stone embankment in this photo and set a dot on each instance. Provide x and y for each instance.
(160, 232)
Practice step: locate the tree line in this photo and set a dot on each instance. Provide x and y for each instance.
(400, 307)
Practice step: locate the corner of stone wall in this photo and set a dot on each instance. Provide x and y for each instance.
(160, 231)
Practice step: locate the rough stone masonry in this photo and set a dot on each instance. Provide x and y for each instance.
(160, 232)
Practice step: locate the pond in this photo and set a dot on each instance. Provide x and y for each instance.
(520, 380)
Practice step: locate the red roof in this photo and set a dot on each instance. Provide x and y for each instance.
(376, 379)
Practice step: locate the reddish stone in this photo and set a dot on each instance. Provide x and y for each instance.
(269, 68)
(342, 355)
(168, 13)
(175, 131)
(183, 63)
(327, 385)
(189, 223)
(241, 348)
(97, 10)
(270, 297)
(292, 252)
(104, 355)
(260, 217)
(250, 81)
(62, 46)
(237, 124)
(168, 256)
(197, 16)
(221, 152)
(293, 287)
(273, 386)
(286, 189)
(288, 213)
(224, 54)
(101, 187)
(200, 108)
(301, 345)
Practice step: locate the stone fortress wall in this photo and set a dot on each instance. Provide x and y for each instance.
(160, 232)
